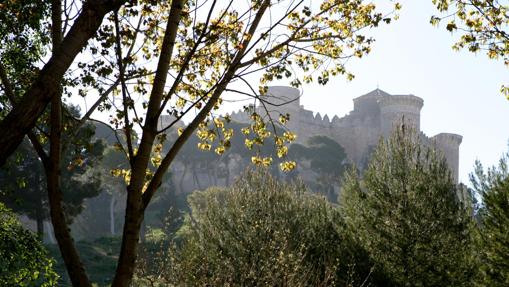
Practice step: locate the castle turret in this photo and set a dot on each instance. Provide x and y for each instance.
(368, 104)
(394, 109)
(449, 144)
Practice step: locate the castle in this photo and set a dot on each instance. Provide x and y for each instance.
(374, 115)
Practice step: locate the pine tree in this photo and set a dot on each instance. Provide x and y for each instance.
(405, 212)
(493, 186)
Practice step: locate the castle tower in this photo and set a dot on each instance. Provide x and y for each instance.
(368, 104)
(395, 108)
(449, 144)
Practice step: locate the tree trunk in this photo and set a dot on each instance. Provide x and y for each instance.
(51, 164)
(68, 251)
(213, 173)
(49, 229)
(40, 224)
(135, 206)
(227, 175)
(182, 178)
(143, 231)
(112, 215)
(196, 178)
(130, 239)
(39, 216)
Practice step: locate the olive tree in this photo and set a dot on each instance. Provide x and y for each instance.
(261, 231)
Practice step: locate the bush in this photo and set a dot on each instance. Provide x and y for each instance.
(23, 259)
(261, 232)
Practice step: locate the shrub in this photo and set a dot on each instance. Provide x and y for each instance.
(23, 259)
(261, 232)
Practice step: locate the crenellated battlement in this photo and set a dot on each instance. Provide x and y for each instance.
(410, 101)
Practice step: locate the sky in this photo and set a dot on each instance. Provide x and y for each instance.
(461, 90)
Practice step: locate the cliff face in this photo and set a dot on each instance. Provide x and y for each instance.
(374, 115)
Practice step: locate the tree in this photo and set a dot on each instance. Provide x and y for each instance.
(26, 97)
(23, 259)
(483, 24)
(22, 186)
(406, 213)
(207, 49)
(22, 181)
(327, 158)
(114, 186)
(493, 186)
(42, 88)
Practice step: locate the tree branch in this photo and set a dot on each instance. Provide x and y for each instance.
(23, 117)
(202, 115)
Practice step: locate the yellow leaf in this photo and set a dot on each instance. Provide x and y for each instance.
(287, 166)
(220, 150)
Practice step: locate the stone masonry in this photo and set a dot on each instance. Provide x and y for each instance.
(374, 115)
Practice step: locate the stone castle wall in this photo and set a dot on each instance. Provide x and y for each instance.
(374, 115)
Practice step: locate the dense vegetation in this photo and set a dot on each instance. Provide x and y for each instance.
(263, 232)
(493, 186)
(23, 259)
(407, 213)
(401, 222)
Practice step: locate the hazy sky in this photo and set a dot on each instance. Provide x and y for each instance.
(461, 90)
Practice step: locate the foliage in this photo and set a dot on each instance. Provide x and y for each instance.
(262, 232)
(23, 259)
(22, 184)
(327, 158)
(23, 35)
(493, 186)
(406, 213)
(482, 24)
(23, 187)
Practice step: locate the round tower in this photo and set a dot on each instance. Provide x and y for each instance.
(397, 108)
(449, 144)
(368, 104)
